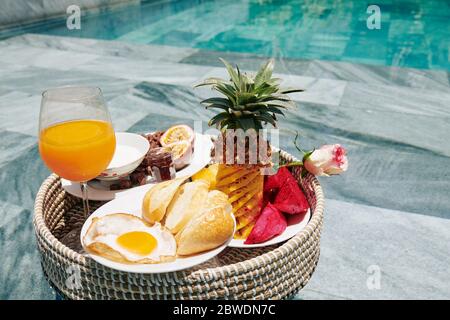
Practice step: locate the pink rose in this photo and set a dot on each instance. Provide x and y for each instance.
(328, 160)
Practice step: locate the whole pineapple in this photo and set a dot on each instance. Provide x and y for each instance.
(248, 102)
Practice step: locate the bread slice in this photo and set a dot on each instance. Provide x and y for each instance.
(217, 198)
(208, 230)
(186, 203)
(158, 198)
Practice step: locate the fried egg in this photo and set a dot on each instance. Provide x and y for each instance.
(129, 239)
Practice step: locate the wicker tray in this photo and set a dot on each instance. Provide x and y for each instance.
(274, 272)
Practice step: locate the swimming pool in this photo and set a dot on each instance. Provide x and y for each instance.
(413, 33)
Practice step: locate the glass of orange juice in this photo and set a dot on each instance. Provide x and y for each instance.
(76, 136)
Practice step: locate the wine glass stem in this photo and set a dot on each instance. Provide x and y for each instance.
(84, 194)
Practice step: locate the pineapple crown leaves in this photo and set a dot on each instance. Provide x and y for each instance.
(248, 101)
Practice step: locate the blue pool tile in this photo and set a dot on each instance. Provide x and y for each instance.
(228, 41)
(404, 28)
(402, 8)
(178, 38)
(290, 29)
(410, 59)
(358, 48)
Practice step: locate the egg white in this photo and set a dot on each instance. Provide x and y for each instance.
(107, 229)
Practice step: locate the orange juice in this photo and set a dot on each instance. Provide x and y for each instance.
(78, 150)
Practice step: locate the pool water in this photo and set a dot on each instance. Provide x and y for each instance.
(413, 33)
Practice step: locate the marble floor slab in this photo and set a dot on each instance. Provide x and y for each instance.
(391, 209)
(19, 105)
(380, 75)
(14, 144)
(408, 252)
(34, 80)
(339, 70)
(155, 71)
(361, 73)
(44, 57)
(104, 47)
(397, 99)
(21, 276)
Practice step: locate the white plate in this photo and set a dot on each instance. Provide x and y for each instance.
(99, 191)
(132, 204)
(296, 223)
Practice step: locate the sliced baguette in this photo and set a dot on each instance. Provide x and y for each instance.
(158, 198)
(206, 231)
(186, 203)
(217, 198)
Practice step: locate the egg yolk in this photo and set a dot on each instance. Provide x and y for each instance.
(137, 242)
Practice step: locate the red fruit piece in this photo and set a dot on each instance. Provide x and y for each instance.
(271, 222)
(273, 183)
(282, 190)
(276, 180)
(290, 199)
(269, 196)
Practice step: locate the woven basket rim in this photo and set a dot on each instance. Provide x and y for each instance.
(290, 245)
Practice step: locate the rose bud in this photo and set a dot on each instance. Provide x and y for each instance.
(326, 161)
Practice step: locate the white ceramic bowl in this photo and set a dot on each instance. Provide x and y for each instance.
(131, 149)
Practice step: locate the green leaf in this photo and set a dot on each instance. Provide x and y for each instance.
(308, 154)
(266, 118)
(246, 123)
(226, 90)
(233, 75)
(245, 97)
(279, 97)
(256, 106)
(209, 82)
(238, 107)
(282, 104)
(242, 83)
(274, 81)
(275, 110)
(218, 118)
(265, 89)
(264, 73)
(230, 123)
(220, 101)
(217, 106)
(290, 90)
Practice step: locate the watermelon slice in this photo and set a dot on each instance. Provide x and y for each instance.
(270, 223)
